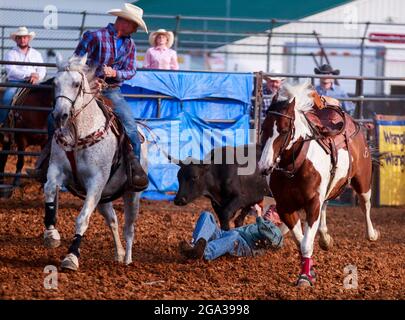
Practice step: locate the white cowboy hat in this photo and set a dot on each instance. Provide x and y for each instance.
(130, 12)
(275, 78)
(22, 31)
(168, 34)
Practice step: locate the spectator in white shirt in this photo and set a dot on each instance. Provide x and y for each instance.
(19, 73)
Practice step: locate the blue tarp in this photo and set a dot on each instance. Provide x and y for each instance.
(181, 129)
(196, 85)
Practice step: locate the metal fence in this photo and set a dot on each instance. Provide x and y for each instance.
(257, 101)
(203, 37)
(254, 122)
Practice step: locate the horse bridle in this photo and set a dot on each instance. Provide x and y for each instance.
(74, 114)
(291, 132)
(91, 138)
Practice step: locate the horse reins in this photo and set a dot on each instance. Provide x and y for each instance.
(291, 129)
(74, 114)
(290, 134)
(89, 139)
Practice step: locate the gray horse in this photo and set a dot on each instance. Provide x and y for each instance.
(84, 149)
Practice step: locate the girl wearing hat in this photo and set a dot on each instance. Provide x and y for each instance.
(160, 56)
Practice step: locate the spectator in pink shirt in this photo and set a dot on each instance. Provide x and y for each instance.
(160, 56)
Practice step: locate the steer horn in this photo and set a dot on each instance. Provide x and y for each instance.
(171, 159)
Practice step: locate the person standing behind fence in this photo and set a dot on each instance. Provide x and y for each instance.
(22, 52)
(328, 88)
(160, 56)
(271, 89)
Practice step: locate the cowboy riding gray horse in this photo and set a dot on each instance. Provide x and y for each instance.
(87, 156)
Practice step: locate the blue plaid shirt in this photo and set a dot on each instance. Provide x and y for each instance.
(267, 101)
(100, 46)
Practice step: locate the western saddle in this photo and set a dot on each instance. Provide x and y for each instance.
(332, 128)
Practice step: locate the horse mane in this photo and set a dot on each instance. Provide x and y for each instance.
(75, 64)
(302, 93)
(278, 106)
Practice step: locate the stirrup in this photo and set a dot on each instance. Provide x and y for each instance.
(133, 171)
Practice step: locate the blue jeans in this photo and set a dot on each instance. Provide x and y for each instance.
(123, 111)
(7, 99)
(219, 242)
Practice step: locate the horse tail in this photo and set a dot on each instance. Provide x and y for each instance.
(377, 156)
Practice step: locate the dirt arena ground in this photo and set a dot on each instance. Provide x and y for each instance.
(160, 272)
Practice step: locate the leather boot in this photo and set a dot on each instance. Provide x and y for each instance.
(138, 179)
(193, 252)
(42, 164)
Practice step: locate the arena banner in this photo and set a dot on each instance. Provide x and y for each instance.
(391, 143)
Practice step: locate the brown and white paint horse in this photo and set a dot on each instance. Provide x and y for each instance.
(299, 182)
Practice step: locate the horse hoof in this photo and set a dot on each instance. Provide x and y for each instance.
(375, 236)
(51, 238)
(304, 281)
(128, 261)
(71, 262)
(120, 258)
(301, 283)
(326, 242)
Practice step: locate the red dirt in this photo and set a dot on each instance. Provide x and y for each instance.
(160, 272)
